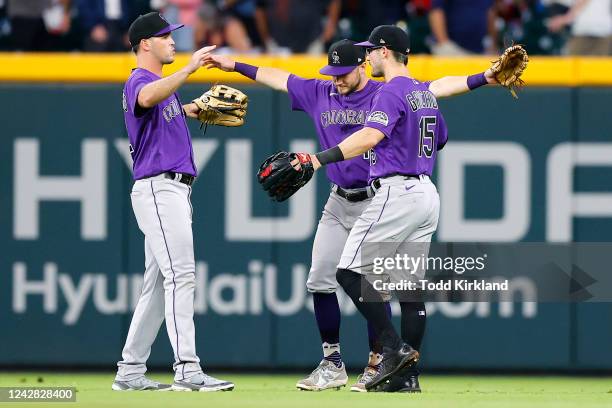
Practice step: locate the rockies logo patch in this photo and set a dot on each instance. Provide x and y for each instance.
(335, 57)
(379, 117)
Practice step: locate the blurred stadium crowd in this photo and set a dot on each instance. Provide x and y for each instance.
(441, 27)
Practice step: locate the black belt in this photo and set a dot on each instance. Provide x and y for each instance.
(180, 177)
(376, 183)
(353, 196)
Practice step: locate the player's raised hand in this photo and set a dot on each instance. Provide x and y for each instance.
(222, 62)
(198, 58)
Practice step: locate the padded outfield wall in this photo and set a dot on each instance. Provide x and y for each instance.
(537, 170)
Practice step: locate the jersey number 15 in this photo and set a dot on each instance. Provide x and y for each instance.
(427, 136)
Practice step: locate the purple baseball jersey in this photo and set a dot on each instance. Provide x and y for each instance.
(407, 113)
(335, 118)
(159, 138)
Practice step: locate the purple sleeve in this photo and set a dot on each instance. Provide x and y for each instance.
(302, 93)
(133, 87)
(387, 109)
(442, 133)
(435, 4)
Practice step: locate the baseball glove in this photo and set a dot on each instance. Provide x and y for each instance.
(281, 179)
(222, 105)
(509, 67)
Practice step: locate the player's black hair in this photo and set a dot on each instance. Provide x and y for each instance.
(399, 57)
(136, 48)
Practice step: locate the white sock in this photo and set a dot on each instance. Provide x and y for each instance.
(329, 349)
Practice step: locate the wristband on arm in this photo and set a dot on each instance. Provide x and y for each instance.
(476, 81)
(249, 71)
(332, 155)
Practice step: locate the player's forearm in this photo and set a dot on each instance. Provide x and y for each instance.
(155, 92)
(449, 86)
(272, 77)
(456, 85)
(354, 145)
(360, 142)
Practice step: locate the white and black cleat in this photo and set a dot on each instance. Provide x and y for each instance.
(203, 383)
(140, 384)
(325, 377)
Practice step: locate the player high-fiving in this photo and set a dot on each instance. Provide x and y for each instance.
(164, 171)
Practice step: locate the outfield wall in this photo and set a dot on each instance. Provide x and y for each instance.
(112, 67)
(72, 255)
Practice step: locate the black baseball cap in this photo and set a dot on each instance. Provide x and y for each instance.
(343, 56)
(390, 36)
(150, 25)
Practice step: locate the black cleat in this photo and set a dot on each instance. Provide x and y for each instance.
(392, 362)
(405, 380)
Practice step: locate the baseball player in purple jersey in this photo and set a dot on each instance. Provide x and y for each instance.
(405, 129)
(164, 171)
(338, 108)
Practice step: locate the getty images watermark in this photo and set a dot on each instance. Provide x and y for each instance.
(412, 265)
(488, 272)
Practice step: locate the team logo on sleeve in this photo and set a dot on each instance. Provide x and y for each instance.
(379, 117)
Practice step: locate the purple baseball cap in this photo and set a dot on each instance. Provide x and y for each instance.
(343, 57)
(390, 36)
(150, 25)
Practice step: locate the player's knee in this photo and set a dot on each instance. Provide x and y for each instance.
(180, 280)
(346, 277)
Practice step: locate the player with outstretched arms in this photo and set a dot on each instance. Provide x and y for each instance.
(405, 129)
(339, 107)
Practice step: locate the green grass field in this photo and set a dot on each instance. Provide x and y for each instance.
(270, 391)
